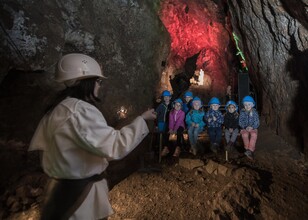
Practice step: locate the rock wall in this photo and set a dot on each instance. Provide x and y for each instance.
(275, 40)
(126, 37)
(129, 40)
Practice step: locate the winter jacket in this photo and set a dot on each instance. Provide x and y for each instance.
(186, 106)
(208, 117)
(176, 119)
(77, 143)
(163, 112)
(195, 116)
(249, 119)
(231, 120)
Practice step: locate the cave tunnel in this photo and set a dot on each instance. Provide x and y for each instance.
(222, 48)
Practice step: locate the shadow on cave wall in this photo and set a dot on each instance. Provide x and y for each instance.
(298, 120)
(181, 82)
(297, 9)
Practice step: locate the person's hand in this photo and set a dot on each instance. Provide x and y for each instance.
(230, 130)
(214, 118)
(249, 128)
(196, 125)
(149, 114)
(193, 124)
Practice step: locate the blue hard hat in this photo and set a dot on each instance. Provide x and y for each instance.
(188, 94)
(231, 102)
(166, 93)
(248, 99)
(214, 100)
(178, 101)
(196, 98)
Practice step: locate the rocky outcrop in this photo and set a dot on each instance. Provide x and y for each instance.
(275, 40)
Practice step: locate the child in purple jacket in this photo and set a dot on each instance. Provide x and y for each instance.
(176, 126)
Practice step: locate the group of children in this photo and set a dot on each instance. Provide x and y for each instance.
(176, 116)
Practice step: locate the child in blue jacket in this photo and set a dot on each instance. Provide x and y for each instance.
(188, 97)
(195, 123)
(214, 119)
(162, 111)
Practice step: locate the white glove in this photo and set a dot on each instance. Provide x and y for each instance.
(149, 114)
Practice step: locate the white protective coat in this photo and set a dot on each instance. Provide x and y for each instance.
(77, 143)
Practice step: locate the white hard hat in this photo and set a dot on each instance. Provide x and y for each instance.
(77, 66)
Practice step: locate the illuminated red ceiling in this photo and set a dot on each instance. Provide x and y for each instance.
(199, 26)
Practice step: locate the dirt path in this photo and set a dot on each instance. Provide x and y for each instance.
(274, 186)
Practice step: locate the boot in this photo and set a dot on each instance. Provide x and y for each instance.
(177, 152)
(214, 148)
(164, 152)
(249, 154)
(193, 150)
(229, 146)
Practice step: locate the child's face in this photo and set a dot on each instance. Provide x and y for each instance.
(167, 99)
(231, 108)
(196, 105)
(187, 99)
(177, 106)
(248, 106)
(215, 107)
